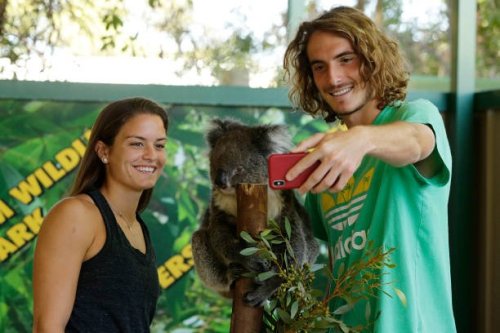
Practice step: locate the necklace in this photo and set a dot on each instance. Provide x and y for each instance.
(134, 237)
(128, 223)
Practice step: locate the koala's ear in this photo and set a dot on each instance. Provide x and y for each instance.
(280, 139)
(218, 128)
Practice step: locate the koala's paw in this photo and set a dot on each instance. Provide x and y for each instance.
(262, 292)
(235, 271)
(255, 299)
(255, 264)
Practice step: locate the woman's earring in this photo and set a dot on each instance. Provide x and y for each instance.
(104, 160)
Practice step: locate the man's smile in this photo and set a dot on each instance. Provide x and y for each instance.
(341, 91)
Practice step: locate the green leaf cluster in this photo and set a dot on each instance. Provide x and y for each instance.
(297, 306)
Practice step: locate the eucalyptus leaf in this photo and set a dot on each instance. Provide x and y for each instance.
(273, 224)
(368, 311)
(317, 267)
(265, 233)
(247, 237)
(288, 229)
(266, 243)
(343, 309)
(294, 309)
(266, 275)
(401, 295)
(344, 327)
(284, 316)
(249, 251)
(251, 275)
(290, 249)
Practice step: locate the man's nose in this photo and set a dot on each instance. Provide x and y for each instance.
(335, 75)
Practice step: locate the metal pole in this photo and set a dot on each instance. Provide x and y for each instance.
(463, 228)
(297, 12)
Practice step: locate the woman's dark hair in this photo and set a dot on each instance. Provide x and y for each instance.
(92, 172)
(382, 66)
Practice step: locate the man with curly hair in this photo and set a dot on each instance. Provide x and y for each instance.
(385, 181)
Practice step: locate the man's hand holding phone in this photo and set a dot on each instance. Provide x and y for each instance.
(278, 166)
(335, 154)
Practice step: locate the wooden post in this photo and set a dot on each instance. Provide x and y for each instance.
(252, 218)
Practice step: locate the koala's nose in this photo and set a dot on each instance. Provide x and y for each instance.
(221, 178)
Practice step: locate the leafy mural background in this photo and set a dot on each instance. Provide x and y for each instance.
(32, 132)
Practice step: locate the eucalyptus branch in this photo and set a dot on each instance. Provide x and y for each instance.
(297, 306)
(362, 278)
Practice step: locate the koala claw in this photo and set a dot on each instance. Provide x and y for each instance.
(255, 298)
(257, 265)
(262, 292)
(235, 271)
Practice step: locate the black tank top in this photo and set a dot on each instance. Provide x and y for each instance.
(117, 288)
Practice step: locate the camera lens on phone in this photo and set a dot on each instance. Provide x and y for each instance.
(279, 183)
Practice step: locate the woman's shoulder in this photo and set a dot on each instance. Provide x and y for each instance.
(71, 225)
(78, 204)
(73, 212)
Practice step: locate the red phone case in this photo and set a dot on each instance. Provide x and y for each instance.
(279, 164)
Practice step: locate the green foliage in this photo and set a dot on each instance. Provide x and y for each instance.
(297, 306)
(33, 28)
(488, 38)
(199, 310)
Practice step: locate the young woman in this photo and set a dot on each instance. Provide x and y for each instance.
(94, 266)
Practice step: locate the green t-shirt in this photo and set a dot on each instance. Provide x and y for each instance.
(396, 207)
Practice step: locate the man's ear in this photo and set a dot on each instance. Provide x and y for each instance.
(102, 151)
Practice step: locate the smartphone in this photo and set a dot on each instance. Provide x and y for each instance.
(279, 164)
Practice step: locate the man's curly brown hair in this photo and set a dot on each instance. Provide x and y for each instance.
(383, 68)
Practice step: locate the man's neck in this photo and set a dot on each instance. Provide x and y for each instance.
(364, 116)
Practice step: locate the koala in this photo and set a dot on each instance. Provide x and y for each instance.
(238, 154)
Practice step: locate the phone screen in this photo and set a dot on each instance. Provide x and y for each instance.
(278, 166)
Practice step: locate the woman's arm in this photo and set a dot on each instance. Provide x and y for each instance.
(66, 235)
